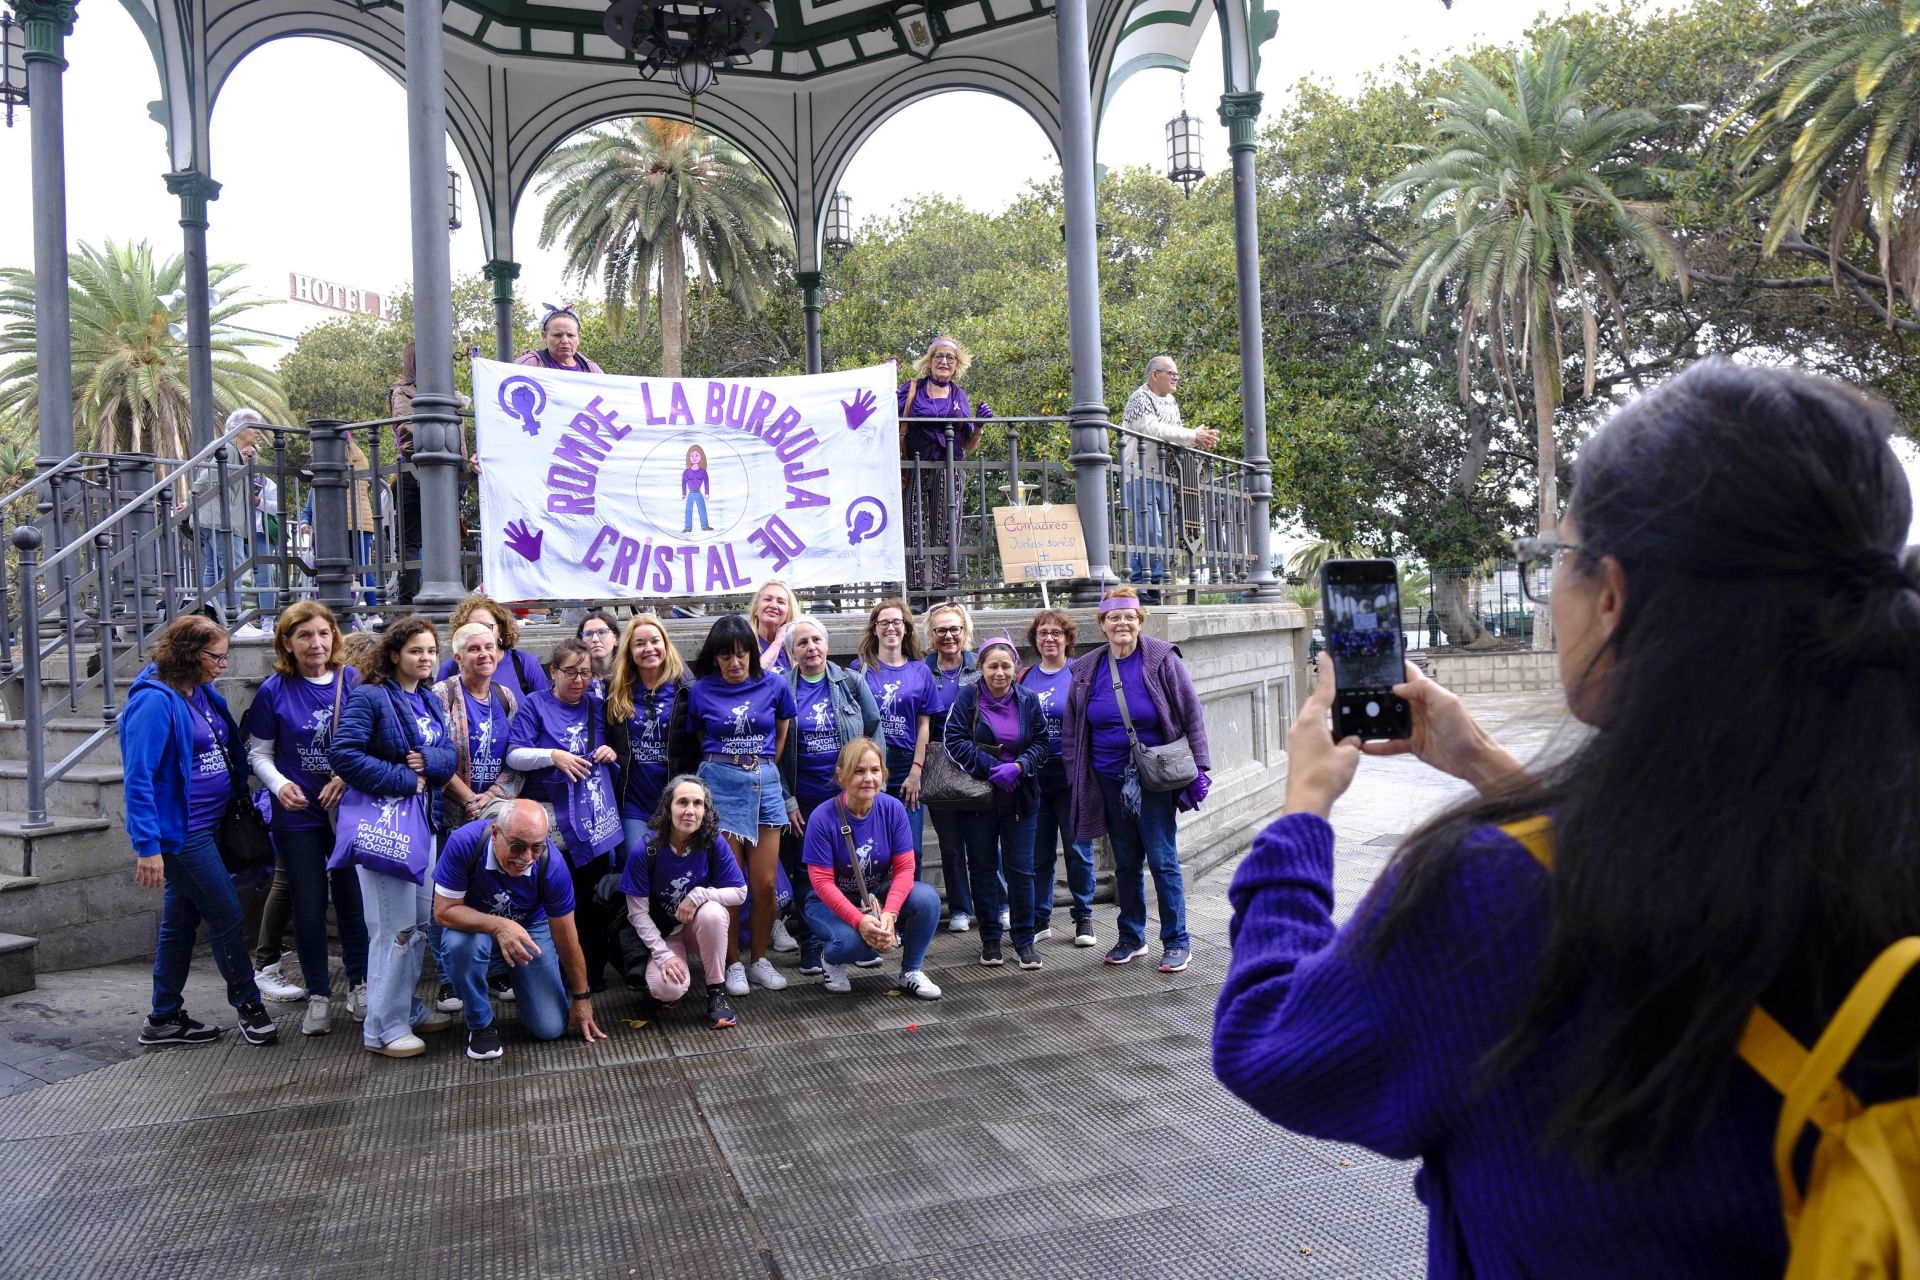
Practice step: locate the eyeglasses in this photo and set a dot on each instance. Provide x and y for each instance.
(1045, 632)
(596, 633)
(220, 659)
(1540, 558)
(945, 355)
(948, 631)
(890, 624)
(575, 673)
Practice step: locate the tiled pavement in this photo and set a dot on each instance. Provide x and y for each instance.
(1064, 1121)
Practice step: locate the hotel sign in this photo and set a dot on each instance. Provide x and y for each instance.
(336, 297)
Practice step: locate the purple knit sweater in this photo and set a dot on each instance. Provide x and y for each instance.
(1317, 1036)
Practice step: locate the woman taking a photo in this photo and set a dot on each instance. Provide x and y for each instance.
(478, 714)
(392, 744)
(182, 763)
(902, 688)
(996, 731)
(559, 739)
(773, 610)
(292, 720)
(951, 664)
(1139, 677)
(734, 720)
(832, 707)
(1738, 620)
(865, 901)
(1052, 635)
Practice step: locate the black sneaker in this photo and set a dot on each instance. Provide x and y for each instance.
(256, 1026)
(990, 954)
(446, 1000)
(1027, 956)
(719, 1012)
(178, 1028)
(500, 988)
(484, 1043)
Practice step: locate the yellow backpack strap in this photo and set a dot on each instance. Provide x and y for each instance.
(1816, 1093)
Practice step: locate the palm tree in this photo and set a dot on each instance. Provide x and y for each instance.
(1542, 191)
(129, 370)
(1835, 118)
(650, 204)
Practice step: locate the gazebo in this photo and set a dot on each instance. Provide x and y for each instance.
(797, 84)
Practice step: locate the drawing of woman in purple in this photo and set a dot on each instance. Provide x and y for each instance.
(694, 487)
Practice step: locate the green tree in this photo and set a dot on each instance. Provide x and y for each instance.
(129, 370)
(1542, 190)
(648, 204)
(343, 368)
(1833, 127)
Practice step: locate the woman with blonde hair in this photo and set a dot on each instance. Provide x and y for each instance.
(515, 671)
(773, 610)
(648, 674)
(889, 660)
(930, 478)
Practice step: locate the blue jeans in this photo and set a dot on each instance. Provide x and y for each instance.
(266, 574)
(899, 762)
(363, 556)
(303, 854)
(699, 499)
(1145, 843)
(220, 551)
(1148, 501)
(539, 990)
(397, 914)
(199, 888)
(1055, 825)
(844, 945)
(950, 826)
(1000, 845)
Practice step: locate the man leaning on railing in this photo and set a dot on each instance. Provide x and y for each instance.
(1154, 418)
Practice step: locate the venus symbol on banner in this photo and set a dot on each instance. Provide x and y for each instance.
(599, 487)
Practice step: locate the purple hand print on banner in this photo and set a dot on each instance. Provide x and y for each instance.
(524, 540)
(523, 399)
(858, 409)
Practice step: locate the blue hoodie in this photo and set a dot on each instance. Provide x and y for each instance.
(156, 753)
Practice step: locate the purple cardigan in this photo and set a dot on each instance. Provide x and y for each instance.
(1316, 1034)
(1174, 699)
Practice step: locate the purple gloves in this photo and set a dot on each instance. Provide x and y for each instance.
(1193, 793)
(1004, 776)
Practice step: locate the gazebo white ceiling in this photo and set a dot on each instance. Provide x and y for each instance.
(522, 77)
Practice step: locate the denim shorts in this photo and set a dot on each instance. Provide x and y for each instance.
(746, 799)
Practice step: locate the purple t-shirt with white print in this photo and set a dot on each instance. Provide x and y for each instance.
(903, 694)
(548, 724)
(738, 719)
(295, 714)
(210, 780)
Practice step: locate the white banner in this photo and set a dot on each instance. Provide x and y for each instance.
(601, 487)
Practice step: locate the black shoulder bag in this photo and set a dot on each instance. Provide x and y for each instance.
(243, 837)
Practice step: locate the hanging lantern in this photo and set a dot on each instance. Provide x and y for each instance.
(1183, 151)
(13, 64)
(453, 198)
(695, 76)
(839, 223)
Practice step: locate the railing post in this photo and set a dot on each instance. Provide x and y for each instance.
(332, 544)
(27, 540)
(223, 543)
(133, 474)
(103, 627)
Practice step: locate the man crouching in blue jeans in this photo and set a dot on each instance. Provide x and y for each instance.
(505, 898)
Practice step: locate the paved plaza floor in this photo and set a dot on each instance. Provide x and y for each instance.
(1060, 1122)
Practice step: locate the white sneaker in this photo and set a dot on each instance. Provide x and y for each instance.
(249, 632)
(737, 979)
(1083, 934)
(959, 922)
(782, 941)
(837, 981)
(871, 962)
(319, 1019)
(765, 975)
(918, 985)
(275, 985)
(1041, 935)
(357, 1001)
(408, 1046)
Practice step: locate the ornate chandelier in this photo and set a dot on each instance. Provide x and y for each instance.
(694, 39)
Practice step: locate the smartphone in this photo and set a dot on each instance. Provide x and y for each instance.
(1361, 600)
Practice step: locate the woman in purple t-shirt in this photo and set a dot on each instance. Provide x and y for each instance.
(289, 728)
(694, 487)
(931, 481)
(180, 752)
(1053, 635)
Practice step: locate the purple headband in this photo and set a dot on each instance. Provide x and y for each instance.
(1119, 602)
(1001, 639)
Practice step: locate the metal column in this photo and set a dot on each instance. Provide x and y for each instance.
(502, 273)
(1087, 414)
(194, 190)
(48, 24)
(811, 284)
(1239, 112)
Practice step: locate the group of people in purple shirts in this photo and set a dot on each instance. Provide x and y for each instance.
(620, 808)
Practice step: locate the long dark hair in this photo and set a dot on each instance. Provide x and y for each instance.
(660, 825)
(1744, 826)
(728, 632)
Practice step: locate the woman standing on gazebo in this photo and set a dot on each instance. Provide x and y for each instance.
(559, 344)
(931, 488)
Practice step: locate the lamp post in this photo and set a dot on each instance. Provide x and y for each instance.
(839, 237)
(13, 65)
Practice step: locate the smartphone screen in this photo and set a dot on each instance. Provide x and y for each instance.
(1361, 601)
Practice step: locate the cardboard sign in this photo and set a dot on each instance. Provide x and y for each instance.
(1040, 544)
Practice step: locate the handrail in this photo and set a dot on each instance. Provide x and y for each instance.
(43, 477)
(131, 505)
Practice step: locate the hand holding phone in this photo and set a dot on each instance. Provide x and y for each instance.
(1361, 601)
